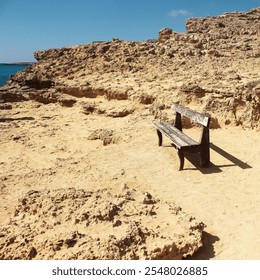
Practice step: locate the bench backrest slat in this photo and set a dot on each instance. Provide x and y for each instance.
(195, 116)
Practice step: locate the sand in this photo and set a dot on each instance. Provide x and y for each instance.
(52, 148)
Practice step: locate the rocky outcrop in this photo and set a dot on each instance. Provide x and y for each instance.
(214, 66)
(105, 135)
(230, 24)
(131, 225)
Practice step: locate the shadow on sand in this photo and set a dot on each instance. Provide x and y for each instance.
(207, 251)
(195, 161)
(16, 119)
(231, 158)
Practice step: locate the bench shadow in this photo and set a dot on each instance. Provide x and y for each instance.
(16, 119)
(207, 251)
(194, 160)
(233, 159)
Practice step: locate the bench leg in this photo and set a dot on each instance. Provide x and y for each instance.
(160, 137)
(205, 156)
(205, 159)
(181, 157)
(205, 149)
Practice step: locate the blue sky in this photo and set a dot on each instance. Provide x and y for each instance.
(30, 25)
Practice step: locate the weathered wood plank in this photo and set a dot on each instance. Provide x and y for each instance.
(177, 137)
(195, 116)
(182, 135)
(174, 138)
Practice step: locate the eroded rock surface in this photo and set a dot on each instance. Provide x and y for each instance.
(219, 56)
(79, 224)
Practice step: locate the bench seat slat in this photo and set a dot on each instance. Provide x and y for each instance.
(180, 134)
(178, 138)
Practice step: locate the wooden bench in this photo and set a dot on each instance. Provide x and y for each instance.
(183, 142)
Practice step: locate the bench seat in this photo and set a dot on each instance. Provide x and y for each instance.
(178, 138)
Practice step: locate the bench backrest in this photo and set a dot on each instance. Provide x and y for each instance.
(195, 116)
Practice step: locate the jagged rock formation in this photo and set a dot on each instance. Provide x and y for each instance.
(214, 67)
(79, 224)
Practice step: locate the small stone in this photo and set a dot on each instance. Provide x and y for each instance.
(32, 253)
(117, 223)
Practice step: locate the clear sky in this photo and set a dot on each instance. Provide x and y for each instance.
(30, 25)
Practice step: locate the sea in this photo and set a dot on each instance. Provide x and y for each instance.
(6, 70)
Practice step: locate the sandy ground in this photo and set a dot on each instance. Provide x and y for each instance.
(48, 147)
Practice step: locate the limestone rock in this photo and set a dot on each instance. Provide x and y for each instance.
(218, 54)
(164, 35)
(105, 135)
(41, 229)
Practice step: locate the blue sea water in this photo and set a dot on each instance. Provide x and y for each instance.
(6, 70)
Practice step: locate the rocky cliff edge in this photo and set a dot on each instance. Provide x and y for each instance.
(213, 67)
